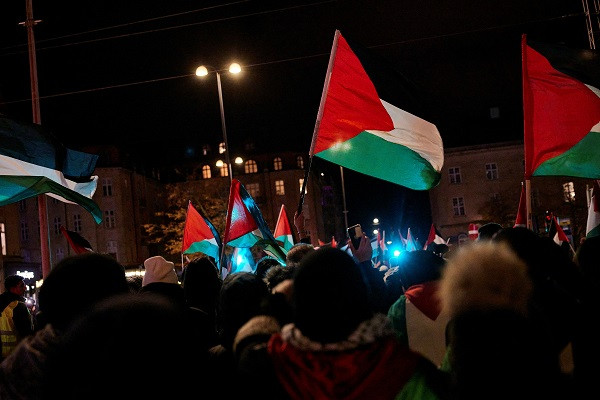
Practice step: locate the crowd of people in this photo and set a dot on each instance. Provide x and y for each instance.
(509, 315)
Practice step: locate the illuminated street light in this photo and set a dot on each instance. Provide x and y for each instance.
(234, 68)
(239, 160)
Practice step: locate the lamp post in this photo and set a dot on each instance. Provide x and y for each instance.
(234, 69)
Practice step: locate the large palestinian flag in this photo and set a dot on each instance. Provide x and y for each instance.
(561, 108)
(200, 235)
(33, 162)
(370, 121)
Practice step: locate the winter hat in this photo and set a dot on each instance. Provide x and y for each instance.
(159, 270)
(330, 297)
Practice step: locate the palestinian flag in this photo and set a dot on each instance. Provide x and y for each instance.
(561, 107)
(283, 232)
(593, 221)
(33, 162)
(245, 226)
(521, 220)
(556, 232)
(370, 112)
(77, 242)
(199, 235)
(411, 243)
(434, 237)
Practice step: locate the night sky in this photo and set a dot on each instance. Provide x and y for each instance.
(122, 72)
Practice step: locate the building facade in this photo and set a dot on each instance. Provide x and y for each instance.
(482, 184)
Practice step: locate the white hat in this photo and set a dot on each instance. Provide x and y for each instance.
(159, 270)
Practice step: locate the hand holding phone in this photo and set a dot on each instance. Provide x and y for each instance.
(355, 234)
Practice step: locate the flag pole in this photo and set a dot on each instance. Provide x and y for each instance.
(344, 197)
(319, 117)
(37, 119)
(528, 203)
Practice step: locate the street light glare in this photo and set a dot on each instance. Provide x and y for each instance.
(235, 68)
(201, 71)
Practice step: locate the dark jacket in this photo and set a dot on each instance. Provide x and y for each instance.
(21, 314)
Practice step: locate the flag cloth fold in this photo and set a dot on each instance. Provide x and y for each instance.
(199, 235)
(371, 112)
(33, 162)
(77, 242)
(245, 226)
(593, 221)
(556, 232)
(521, 219)
(283, 232)
(433, 237)
(561, 108)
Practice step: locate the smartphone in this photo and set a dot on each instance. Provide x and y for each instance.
(355, 233)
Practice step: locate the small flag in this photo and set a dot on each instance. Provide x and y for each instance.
(33, 162)
(369, 110)
(521, 220)
(245, 224)
(402, 241)
(556, 232)
(561, 108)
(283, 232)
(411, 244)
(434, 237)
(199, 235)
(76, 241)
(473, 231)
(593, 222)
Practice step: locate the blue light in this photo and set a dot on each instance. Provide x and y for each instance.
(396, 253)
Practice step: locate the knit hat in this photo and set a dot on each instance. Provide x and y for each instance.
(159, 270)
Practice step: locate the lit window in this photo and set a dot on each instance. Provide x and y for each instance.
(491, 171)
(2, 238)
(253, 189)
(56, 225)
(458, 204)
(301, 182)
(277, 164)
(205, 150)
(279, 188)
(106, 187)
(206, 172)
(109, 219)
(111, 248)
(454, 174)
(77, 222)
(223, 170)
(24, 231)
(300, 162)
(569, 192)
(250, 167)
(60, 254)
(221, 147)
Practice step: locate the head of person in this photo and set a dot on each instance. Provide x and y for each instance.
(157, 269)
(277, 274)
(264, 264)
(330, 296)
(297, 253)
(201, 284)
(15, 284)
(76, 283)
(586, 259)
(487, 231)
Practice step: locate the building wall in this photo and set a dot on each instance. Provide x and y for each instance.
(477, 191)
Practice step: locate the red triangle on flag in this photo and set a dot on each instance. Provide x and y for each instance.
(195, 229)
(283, 225)
(239, 219)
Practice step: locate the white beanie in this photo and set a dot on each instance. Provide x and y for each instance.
(159, 270)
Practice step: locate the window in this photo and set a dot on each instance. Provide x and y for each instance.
(222, 148)
(277, 164)
(491, 171)
(111, 248)
(253, 189)
(454, 174)
(60, 254)
(250, 167)
(300, 162)
(2, 238)
(301, 182)
(206, 172)
(77, 222)
(23, 205)
(569, 192)
(205, 149)
(56, 225)
(109, 219)
(494, 112)
(279, 188)
(458, 204)
(24, 231)
(106, 187)
(224, 170)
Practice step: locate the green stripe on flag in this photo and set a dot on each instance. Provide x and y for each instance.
(409, 168)
(594, 232)
(582, 160)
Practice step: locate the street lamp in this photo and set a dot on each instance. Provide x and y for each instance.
(234, 69)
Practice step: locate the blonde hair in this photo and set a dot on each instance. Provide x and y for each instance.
(485, 275)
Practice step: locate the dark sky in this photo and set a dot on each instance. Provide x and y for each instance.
(122, 72)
